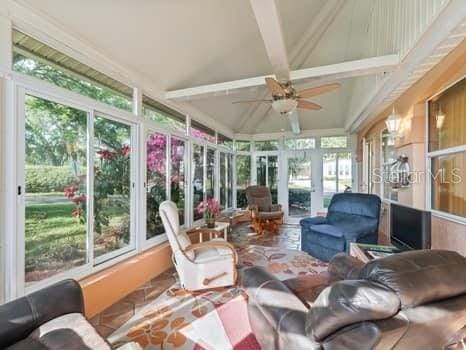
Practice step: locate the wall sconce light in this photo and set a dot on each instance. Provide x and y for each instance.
(440, 118)
(393, 122)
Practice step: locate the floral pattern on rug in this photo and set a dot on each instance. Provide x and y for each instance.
(283, 263)
(213, 319)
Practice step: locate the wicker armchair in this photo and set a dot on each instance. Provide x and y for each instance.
(264, 214)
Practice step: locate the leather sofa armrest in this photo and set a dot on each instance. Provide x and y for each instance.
(18, 318)
(316, 220)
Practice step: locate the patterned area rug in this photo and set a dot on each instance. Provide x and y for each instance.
(215, 319)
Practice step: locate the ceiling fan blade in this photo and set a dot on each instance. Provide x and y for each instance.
(275, 87)
(308, 105)
(318, 90)
(251, 101)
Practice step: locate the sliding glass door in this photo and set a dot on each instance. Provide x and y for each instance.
(267, 173)
(78, 187)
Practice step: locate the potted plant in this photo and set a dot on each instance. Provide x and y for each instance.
(209, 209)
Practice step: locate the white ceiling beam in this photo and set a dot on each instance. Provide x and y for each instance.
(350, 69)
(366, 66)
(299, 53)
(268, 21)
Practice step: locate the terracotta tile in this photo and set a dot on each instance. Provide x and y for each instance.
(104, 331)
(117, 308)
(135, 297)
(117, 319)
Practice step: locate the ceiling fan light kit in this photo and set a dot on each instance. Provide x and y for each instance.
(285, 105)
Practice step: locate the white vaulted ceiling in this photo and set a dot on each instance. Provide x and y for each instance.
(180, 44)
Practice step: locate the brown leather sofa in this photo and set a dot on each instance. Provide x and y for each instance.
(411, 300)
(51, 318)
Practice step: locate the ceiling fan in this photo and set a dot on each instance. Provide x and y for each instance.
(285, 99)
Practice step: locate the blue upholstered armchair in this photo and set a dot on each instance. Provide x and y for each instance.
(352, 217)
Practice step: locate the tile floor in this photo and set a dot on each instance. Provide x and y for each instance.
(117, 314)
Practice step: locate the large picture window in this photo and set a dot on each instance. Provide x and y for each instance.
(388, 158)
(447, 150)
(243, 179)
(337, 174)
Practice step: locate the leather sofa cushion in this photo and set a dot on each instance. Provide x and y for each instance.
(420, 276)
(344, 267)
(71, 332)
(349, 302)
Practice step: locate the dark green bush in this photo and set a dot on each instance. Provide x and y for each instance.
(48, 178)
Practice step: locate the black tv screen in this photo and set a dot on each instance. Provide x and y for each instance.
(409, 227)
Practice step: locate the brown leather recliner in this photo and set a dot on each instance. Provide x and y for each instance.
(411, 300)
(264, 214)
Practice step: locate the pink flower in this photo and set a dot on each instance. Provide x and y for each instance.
(106, 154)
(125, 150)
(79, 199)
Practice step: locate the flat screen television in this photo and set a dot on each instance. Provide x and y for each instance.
(409, 227)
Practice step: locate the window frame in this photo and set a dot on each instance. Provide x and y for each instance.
(433, 154)
(25, 85)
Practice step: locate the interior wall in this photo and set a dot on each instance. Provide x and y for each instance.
(446, 234)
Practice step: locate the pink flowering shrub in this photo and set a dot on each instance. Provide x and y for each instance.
(209, 208)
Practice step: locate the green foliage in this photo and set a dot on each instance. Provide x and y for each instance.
(48, 178)
(42, 71)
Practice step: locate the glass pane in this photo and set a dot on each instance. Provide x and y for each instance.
(273, 177)
(224, 141)
(163, 118)
(448, 189)
(243, 179)
(334, 142)
(198, 179)
(230, 180)
(56, 193)
(447, 118)
(223, 180)
(299, 187)
(156, 191)
(210, 181)
(68, 73)
(244, 146)
(345, 177)
(270, 145)
(261, 170)
(300, 144)
(330, 177)
(202, 132)
(112, 183)
(388, 157)
(177, 177)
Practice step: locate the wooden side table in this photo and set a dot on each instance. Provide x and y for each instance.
(220, 227)
(358, 253)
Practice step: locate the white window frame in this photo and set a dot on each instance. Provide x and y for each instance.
(433, 154)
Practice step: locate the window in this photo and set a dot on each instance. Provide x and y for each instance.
(177, 175)
(112, 185)
(198, 179)
(226, 180)
(243, 179)
(31, 57)
(224, 141)
(334, 142)
(210, 173)
(202, 132)
(56, 193)
(335, 179)
(156, 182)
(447, 149)
(300, 144)
(267, 174)
(57, 170)
(243, 146)
(270, 145)
(388, 157)
(162, 114)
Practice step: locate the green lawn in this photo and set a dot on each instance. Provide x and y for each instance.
(55, 239)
